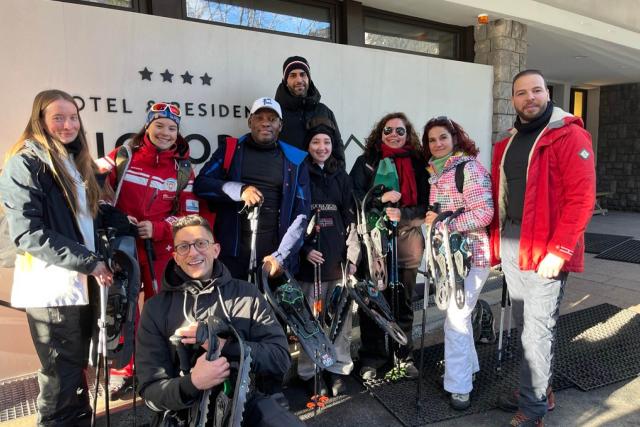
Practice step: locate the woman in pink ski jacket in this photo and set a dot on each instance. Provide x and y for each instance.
(447, 147)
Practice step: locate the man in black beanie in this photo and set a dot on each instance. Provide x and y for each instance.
(301, 106)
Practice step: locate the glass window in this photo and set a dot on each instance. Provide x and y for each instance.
(274, 15)
(118, 3)
(392, 34)
(578, 104)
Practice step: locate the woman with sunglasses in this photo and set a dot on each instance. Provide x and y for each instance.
(148, 191)
(393, 154)
(50, 199)
(447, 147)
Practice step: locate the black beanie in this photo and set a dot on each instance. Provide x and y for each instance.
(327, 129)
(295, 63)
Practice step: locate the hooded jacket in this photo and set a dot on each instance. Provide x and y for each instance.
(182, 301)
(559, 194)
(42, 225)
(224, 188)
(410, 238)
(298, 114)
(475, 198)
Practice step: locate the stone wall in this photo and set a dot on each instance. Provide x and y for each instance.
(618, 167)
(502, 44)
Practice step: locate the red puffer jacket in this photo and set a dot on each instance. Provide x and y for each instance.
(560, 194)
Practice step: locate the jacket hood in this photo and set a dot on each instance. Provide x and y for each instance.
(559, 118)
(176, 280)
(290, 102)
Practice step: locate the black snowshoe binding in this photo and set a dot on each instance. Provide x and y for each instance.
(448, 258)
(229, 402)
(289, 303)
(373, 303)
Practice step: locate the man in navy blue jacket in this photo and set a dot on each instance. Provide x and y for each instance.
(262, 171)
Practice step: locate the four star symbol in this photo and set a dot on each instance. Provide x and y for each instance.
(206, 80)
(167, 76)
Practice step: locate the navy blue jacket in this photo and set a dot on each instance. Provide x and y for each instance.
(223, 188)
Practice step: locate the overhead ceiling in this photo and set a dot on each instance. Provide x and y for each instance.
(561, 44)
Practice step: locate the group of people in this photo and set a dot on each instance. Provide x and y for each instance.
(194, 241)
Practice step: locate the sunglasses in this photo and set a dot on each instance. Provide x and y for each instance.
(400, 131)
(164, 106)
(201, 245)
(440, 119)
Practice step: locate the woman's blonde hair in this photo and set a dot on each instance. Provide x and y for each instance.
(36, 131)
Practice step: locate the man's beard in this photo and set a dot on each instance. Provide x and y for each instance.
(525, 118)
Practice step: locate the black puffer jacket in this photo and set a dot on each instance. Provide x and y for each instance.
(157, 363)
(331, 193)
(410, 238)
(298, 114)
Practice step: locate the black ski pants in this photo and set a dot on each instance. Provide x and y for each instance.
(61, 338)
(372, 351)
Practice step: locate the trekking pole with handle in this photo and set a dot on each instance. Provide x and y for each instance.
(151, 256)
(252, 216)
(427, 283)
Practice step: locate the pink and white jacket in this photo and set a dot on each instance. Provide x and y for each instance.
(476, 199)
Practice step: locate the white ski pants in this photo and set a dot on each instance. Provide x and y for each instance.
(460, 357)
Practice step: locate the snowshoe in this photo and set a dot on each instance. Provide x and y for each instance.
(373, 303)
(289, 303)
(437, 262)
(122, 299)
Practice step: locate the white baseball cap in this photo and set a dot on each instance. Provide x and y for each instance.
(268, 103)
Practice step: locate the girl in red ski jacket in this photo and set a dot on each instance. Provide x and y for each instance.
(147, 190)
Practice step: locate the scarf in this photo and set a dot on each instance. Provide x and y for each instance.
(438, 163)
(536, 124)
(406, 175)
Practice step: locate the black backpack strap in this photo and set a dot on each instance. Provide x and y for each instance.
(460, 175)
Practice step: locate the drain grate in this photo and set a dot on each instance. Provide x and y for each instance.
(18, 395)
(628, 251)
(595, 243)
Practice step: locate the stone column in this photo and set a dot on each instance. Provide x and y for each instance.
(503, 44)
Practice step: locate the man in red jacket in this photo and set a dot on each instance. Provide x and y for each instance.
(543, 179)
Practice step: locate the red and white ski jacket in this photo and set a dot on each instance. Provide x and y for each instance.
(475, 198)
(559, 196)
(149, 188)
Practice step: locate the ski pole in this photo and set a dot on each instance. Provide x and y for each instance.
(503, 304)
(151, 256)
(425, 304)
(252, 216)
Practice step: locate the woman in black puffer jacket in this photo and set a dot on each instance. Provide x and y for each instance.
(394, 138)
(331, 245)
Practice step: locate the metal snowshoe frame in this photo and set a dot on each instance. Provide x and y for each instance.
(208, 330)
(376, 253)
(289, 303)
(505, 302)
(118, 303)
(367, 293)
(448, 259)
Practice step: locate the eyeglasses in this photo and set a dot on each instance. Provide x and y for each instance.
(164, 106)
(400, 131)
(201, 245)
